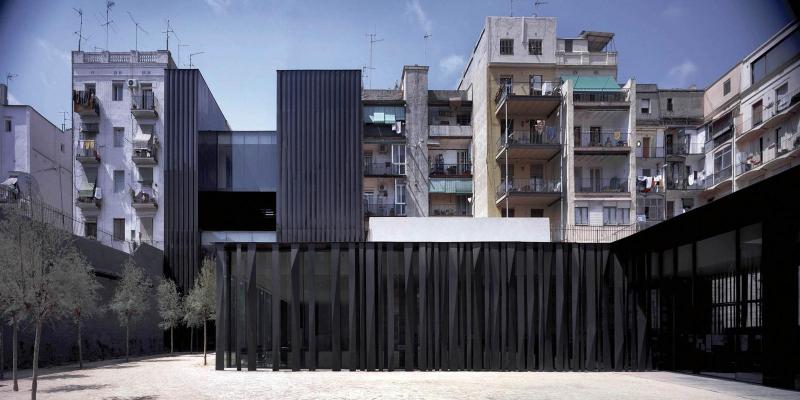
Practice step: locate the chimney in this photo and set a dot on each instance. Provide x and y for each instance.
(3, 94)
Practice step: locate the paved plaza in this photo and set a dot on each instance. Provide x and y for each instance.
(184, 376)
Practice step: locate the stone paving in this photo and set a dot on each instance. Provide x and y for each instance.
(185, 377)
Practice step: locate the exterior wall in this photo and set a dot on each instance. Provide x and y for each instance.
(715, 98)
(319, 136)
(458, 229)
(414, 84)
(191, 108)
(520, 29)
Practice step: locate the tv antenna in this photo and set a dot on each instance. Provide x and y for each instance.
(192, 55)
(138, 28)
(168, 31)
(109, 5)
(179, 52)
(426, 37)
(64, 120)
(79, 32)
(372, 42)
(536, 5)
(511, 8)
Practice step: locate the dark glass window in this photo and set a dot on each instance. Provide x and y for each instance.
(775, 57)
(535, 47)
(507, 47)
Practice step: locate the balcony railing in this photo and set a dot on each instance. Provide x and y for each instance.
(384, 169)
(683, 184)
(713, 143)
(650, 152)
(450, 131)
(592, 234)
(144, 105)
(609, 185)
(384, 210)
(145, 197)
(717, 178)
(106, 57)
(546, 136)
(144, 152)
(682, 149)
(89, 127)
(542, 88)
(460, 170)
(586, 58)
(602, 139)
(87, 151)
(528, 186)
(85, 103)
(599, 97)
(88, 198)
(449, 210)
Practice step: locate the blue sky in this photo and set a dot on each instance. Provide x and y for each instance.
(674, 43)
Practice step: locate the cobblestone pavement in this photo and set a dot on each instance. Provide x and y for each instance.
(185, 377)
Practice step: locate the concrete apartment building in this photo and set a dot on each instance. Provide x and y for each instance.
(568, 153)
(35, 157)
(417, 149)
(118, 104)
(668, 152)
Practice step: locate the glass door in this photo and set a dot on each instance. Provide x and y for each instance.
(399, 159)
(399, 197)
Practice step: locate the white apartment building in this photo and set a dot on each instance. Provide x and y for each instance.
(35, 158)
(553, 130)
(118, 104)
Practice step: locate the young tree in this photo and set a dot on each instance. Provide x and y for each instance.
(201, 301)
(170, 308)
(130, 299)
(82, 302)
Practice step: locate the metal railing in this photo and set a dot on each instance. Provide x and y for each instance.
(601, 139)
(87, 149)
(606, 185)
(592, 234)
(89, 127)
(713, 143)
(774, 109)
(717, 178)
(546, 136)
(85, 102)
(586, 58)
(650, 152)
(143, 101)
(541, 88)
(682, 149)
(144, 196)
(384, 209)
(528, 185)
(460, 170)
(449, 210)
(384, 169)
(450, 130)
(683, 184)
(599, 97)
(144, 149)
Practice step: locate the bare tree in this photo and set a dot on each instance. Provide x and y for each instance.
(170, 308)
(13, 236)
(82, 302)
(201, 301)
(130, 299)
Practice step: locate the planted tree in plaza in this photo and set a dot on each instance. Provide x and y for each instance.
(130, 299)
(13, 238)
(201, 301)
(170, 308)
(82, 302)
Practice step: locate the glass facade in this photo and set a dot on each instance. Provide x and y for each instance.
(240, 161)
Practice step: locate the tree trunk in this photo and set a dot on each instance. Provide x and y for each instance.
(127, 339)
(171, 340)
(2, 354)
(80, 346)
(36, 341)
(191, 342)
(204, 342)
(14, 352)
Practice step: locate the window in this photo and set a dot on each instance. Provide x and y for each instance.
(8, 125)
(644, 105)
(146, 229)
(507, 83)
(781, 97)
(90, 229)
(726, 87)
(116, 91)
(146, 176)
(581, 215)
(757, 110)
(722, 161)
(510, 127)
(507, 47)
(119, 137)
(463, 119)
(119, 181)
(669, 104)
(62, 147)
(616, 216)
(119, 229)
(535, 47)
(568, 45)
(384, 114)
(535, 83)
(775, 57)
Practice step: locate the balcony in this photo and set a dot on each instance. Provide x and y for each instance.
(684, 149)
(440, 170)
(449, 210)
(85, 103)
(783, 108)
(717, 141)
(143, 106)
(536, 100)
(144, 153)
(607, 186)
(718, 180)
(682, 183)
(91, 128)
(650, 152)
(599, 142)
(598, 99)
(586, 58)
(384, 169)
(144, 199)
(132, 57)
(450, 186)
(450, 131)
(775, 156)
(535, 192)
(384, 210)
(537, 144)
(382, 133)
(87, 153)
(88, 199)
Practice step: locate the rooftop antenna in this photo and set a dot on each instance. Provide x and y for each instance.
(64, 120)
(168, 31)
(109, 21)
(426, 37)
(511, 8)
(79, 33)
(536, 5)
(179, 52)
(9, 77)
(138, 28)
(372, 42)
(192, 55)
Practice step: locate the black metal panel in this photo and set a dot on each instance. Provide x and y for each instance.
(319, 137)
(336, 341)
(276, 308)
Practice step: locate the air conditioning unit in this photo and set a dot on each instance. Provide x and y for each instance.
(383, 149)
(133, 83)
(381, 188)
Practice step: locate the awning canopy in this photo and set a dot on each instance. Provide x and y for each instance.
(593, 83)
(453, 186)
